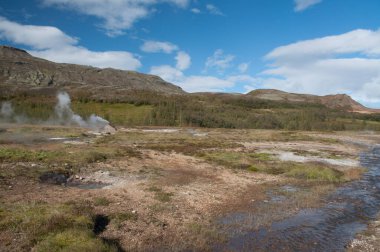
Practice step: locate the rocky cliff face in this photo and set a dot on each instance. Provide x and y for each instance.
(21, 71)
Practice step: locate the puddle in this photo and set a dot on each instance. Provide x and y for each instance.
(329, 228)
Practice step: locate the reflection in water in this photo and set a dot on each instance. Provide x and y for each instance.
(329, 228)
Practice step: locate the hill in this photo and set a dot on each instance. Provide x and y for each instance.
(338, 101)
(20, 72)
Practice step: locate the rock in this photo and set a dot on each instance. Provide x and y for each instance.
(134, 211)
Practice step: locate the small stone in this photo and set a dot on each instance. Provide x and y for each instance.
(33, 165)
(81, 178)
(134, 211)
(76, 177)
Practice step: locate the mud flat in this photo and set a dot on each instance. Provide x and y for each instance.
(164, 189)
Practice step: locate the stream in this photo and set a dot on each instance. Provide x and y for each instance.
(346, 212)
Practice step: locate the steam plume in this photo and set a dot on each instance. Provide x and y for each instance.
(66, 116)
(6, 110)
(63, 115)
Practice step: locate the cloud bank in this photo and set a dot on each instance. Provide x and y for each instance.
(53, 44)
(346, 63)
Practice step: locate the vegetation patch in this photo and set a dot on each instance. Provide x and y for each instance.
(73, 240)
(314, 172)
(102, 201)
(118, 219)
(57, 227)
(160, 195)
(24, 155)
(239, 160)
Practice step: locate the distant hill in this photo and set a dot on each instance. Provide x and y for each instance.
(338, 101)
(21, 71)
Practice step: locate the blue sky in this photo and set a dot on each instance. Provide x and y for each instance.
(304, 46)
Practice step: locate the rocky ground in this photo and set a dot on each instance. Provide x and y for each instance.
(160, 189)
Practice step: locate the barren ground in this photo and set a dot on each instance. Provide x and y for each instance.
(165, 189)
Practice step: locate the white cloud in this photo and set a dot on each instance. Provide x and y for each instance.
(243, 67)
(167, 73)
(39, 37)
(193, 83)
(347, 63)
(200, 83)
(158, 46)
(80, 55)
(117, 15)
(51, 43)
(212, 9)
(301, 5)
(195, 10)
(219, 61)
(205, 84)
(183, 60)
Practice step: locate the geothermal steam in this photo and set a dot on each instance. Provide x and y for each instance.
(66, 116)
(63, 115)
(6, 110)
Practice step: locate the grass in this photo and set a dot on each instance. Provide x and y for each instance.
(73, 240)
(238, 160)
(24, 155)
(117, 219)
(94, 156)
(53, 227)
(160, 195)
(102, 201)
(314, 172)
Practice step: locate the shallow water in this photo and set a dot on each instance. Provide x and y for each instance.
(329, 228)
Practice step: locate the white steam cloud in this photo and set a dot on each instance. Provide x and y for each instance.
(63, 115)
(66, 115)
(6, 110)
